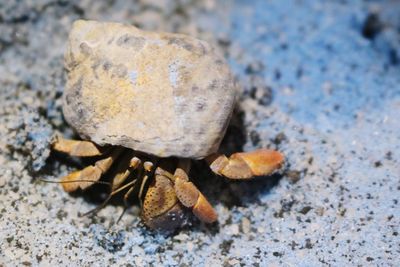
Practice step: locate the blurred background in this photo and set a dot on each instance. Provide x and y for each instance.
(319, 82)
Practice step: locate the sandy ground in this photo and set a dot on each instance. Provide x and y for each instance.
(320, 83)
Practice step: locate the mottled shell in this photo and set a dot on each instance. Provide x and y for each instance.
(160, 93)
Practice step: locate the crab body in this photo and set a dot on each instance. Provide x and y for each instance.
(147, 103)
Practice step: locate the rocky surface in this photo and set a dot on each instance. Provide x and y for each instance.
(159, 93)
(320, 82)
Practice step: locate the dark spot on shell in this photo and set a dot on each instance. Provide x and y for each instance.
(202, 49)
(187, 130)
(74, 102)
(74, 92)
(85, 49)
(213, 85)
(219, 62)
(201, 131)
(180, 91)
(70, 61)
(81, 112)
(95, 65)
(107, 65)
(68, 99)
(201, 105)
(120, 71)
(187, 148)
(181, 42)
(227, 84)
(111, 40)
(128, 40)
(181, 108)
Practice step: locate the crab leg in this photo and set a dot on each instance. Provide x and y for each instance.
(246, 165)
(190, 196)
(76, 148)
(125, 167)
(126, 204)
(102, 205)
(74, 180)
(148, 168)
(127, 164)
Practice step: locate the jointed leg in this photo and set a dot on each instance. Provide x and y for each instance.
(127, 164)
(90, 173)
(168, 193)
(190, 196)
(246, 165)
(126, 204)
(102, 205)
(148, 168)
(77, 148)
(124, 170)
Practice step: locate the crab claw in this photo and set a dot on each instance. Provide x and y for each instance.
(191, 197)
(246, 164)
(161, 208)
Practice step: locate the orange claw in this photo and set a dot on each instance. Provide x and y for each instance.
(204, 211)
(191, 197)
(245, 165)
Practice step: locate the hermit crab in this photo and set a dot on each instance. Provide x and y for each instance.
(146, 104)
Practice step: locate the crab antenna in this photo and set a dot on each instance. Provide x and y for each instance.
(102, 205)
(126, 196)
(76, 181)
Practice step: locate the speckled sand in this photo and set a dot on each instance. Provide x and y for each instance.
(321, 83)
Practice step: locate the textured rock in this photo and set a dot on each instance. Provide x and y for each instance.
(161, 93)
(320, 71)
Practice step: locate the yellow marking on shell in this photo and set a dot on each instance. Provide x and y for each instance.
(142, 79)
